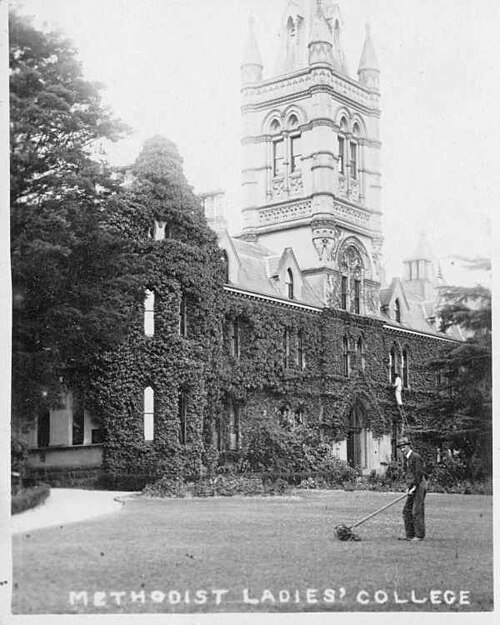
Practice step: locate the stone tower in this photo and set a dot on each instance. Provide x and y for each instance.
(311, 152)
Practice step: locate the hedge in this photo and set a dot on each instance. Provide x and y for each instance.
(29, 498)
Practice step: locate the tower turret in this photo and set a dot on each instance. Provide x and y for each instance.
(320, 43)
(251, 65)
(369, 71)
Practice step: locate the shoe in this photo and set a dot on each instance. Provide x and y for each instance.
(417, 539)
(405, 538)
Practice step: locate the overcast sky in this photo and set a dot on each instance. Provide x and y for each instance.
(172, 67)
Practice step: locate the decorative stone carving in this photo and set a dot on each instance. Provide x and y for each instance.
(333, 295)
(372, 298)
(353, 192)
(278, 187)
(325, 237)
(342, 185)
(296, 185)
(351, 262)
(351, 213)
(287, 212)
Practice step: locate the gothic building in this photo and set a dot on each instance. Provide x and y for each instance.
(312, 332)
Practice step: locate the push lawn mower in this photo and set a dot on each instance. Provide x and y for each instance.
(344, 532)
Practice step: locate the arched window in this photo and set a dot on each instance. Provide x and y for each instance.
(345, 357)
(357, 296)
(148, 414)
(301, 363)
(354, 149)
(234, 339)
(149, 313)
(392, 364)
(404, 367)
(289, 284)
(159, 230)
(343, 294)
(233, 433)
(275, 126)
(286, 348)
(397, 310)
(291, 27)
(360, 350)
(278, 157)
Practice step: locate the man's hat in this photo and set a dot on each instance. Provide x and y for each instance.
(404, 440)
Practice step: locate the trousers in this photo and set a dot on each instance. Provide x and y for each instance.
(414, 512)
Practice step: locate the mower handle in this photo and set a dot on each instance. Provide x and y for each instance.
(387, 505)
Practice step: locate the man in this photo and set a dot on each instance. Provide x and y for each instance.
(413, 511)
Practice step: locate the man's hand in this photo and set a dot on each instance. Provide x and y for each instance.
(411, 490)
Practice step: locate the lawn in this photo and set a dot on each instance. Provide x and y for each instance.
(259, 554)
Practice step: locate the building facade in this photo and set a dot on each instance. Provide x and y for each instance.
(310, 332)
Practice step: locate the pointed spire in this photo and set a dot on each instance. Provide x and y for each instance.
(251, 65)
(368, 70)
(423, 250)
(320, 40)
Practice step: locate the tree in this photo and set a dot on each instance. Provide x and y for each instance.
(74, 275)
(461, 415)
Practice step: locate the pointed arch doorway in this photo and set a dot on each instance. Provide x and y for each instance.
(357, 452)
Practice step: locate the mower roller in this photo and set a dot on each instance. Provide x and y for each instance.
(344, 532)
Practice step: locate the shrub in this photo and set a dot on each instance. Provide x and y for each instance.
(29, 498)
(167, 487)
(232, 484)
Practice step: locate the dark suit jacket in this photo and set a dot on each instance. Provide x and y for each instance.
(414, 469)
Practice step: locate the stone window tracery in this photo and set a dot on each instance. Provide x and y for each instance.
(352, 269)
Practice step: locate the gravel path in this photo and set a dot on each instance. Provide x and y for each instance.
(68, 505)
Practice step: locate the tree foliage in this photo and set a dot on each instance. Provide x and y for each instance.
(461, 414)
(73, 273)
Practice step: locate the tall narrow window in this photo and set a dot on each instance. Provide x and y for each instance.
(345, 356)
(182, 410)
(78, 420)
(360, 349)
(397, 311)
(344, 293)
(235, 338)
(149, 313)
(289, 283)
(278, 157)
(286, 347)
(404, 368)
(300, 350)
(233, 427)
(392, 365)
(357, 296)
(149, 414)
(183, 316)
(43, 428)
(341, 154)
(354, 160)
(295, 153)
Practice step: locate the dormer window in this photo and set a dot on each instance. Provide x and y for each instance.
(289, 284)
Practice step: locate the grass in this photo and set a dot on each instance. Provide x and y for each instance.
(282, 550)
